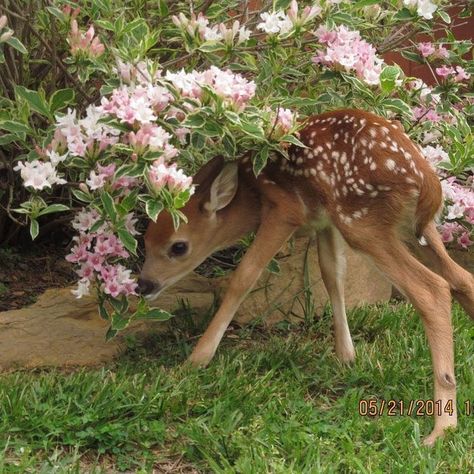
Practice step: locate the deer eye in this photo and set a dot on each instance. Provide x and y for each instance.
(178, 249)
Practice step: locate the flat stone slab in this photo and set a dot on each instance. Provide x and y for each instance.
(60, 330)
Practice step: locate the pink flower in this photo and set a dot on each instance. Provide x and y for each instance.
(444, 71)
(85, 219)
(171, 177)
(441, 52)
(95, 181)
(285, 120)
(461, 74)
(345, 49)
(38, 174)
(464, 241)
(84, 43)
(117, 280)
(426, 49)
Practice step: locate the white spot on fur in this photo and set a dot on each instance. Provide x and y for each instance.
(390, 164)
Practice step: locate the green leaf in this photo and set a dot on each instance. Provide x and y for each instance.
(129, 202)
(7, 138)
(128, 240)
(404, 14)
(388, 78)
(119, 322)
(97, 226)
(444, 16)
(35, 101)
(15, 43)
(397, 105)
(61, 98)
(34, 229)
(260, 160)
(153, 207)
(81, 195)
(292, 139)
(194, 121)
(156, 314)
(229, 145)
(274, 267)
(109, 206)
(104, 314)
(53, 208)
(411, 56)
(365, 3)
(232, 117)
(198, 140)
(212, 129)
(15, 127)
(253, 130)
(111, 333)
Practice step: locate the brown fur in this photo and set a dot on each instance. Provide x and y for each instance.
(360, 177)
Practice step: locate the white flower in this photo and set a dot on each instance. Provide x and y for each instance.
(244, 35)
(158, 139)
(143, 112)
(55, 158)
(212, 34)
(38, 174)
(424, 8)
(276, 22)
(84, 220)
(83, 288)
(455, 211)
(95, 181)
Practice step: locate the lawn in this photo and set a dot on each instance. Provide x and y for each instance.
(271, 401)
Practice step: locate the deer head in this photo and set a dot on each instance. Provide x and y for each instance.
(222, 194)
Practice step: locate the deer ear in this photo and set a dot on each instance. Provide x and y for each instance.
(223, 188)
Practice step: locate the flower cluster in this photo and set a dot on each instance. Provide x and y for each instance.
(124, 128)
(456, 72)
(38, 174)
(86, 44)
(459, 209)
(428, 101)
(347, 50)
(96, 254)
(424, 8)
(197, 28)
(430, 51)
(280, 23)
(173, 179)
(86, 136)
(233, 89)
(458, 212)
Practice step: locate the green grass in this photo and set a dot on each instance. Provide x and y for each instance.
(271, 401)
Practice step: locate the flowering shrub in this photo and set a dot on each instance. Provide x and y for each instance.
(145, 99)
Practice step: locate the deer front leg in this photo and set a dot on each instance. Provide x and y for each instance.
(271, 235)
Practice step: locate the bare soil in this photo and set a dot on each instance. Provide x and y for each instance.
(26, 273)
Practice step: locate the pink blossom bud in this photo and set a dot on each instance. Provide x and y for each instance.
(6, 36)
(3, 21)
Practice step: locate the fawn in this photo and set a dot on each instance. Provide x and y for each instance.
(361, 179)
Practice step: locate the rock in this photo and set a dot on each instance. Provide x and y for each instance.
(60, 330)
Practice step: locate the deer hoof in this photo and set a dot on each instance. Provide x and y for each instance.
(200, 358)
(346, 355)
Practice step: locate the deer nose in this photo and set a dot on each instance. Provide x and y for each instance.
(146, 287)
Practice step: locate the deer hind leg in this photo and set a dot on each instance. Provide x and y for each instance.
(430, 295)
(332, 262)
(273, 232)
(460, 281)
